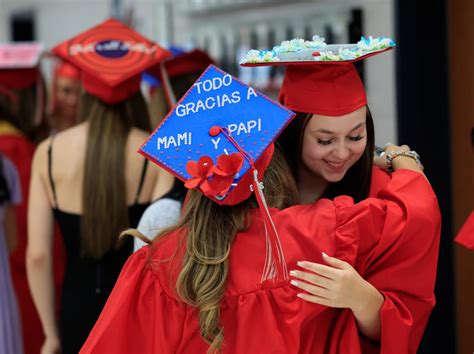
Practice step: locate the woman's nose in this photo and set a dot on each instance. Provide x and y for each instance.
(341, 151)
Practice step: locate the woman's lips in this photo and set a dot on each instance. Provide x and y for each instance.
(335, 166)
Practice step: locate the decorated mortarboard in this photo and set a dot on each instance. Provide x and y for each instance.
(320, 78)
(219, 140)
(19, 64)
(111, 57)
(217, 117)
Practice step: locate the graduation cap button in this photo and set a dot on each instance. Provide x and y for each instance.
(215, 130)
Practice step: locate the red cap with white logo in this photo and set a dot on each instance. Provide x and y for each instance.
(111, 57)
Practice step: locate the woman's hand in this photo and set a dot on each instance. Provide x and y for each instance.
(51, 345)
(399, 162)
(381, 161)
(335, 285)
(339, 285)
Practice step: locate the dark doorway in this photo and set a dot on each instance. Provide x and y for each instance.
(424, 124)
(22, 27)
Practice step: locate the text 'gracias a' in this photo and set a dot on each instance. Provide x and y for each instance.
(212, 102)
(209, 103)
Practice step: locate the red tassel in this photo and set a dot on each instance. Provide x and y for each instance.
(274, 271)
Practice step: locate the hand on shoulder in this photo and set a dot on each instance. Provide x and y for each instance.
(395, 157)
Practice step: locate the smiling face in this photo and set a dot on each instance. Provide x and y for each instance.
(332, 145)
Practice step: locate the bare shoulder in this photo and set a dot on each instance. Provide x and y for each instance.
(40, 155)
(74, 135)
(137, 137)
(136, 162)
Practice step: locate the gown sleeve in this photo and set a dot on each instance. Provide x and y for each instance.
(465, 237)
(380, 179)
(131, 320)
(401, 261)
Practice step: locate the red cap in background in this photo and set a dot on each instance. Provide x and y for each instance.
(111, 57)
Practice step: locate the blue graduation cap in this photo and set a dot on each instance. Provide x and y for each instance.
(219, 131)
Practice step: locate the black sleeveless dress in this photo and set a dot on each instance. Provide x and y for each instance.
(87, 282)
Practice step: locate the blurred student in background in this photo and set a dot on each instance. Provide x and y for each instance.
(10, 196)
(65, 97)
(91, 181)
(22, 123)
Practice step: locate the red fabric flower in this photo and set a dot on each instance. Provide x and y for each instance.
(229, 165)
(217, 185)
(199, 171)
(214, 180)
(225, 170)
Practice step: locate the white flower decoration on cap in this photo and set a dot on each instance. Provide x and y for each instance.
(255, 56)
(299, 50)
(379, 43)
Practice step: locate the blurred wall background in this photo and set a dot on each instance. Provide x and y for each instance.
(421, 93)
(226, 29)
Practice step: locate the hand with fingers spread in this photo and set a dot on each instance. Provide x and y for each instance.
(339, 285)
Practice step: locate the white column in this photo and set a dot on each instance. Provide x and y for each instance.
(317, 27)
(245, 74)
(262, 73)
(298, 30)
(280, 33)
(380, 72)
(4, 21)
(229, 39)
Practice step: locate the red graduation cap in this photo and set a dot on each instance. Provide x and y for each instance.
(330, 90)
(321, 80)
(19, 64)
(64, 69)
(219, 139)
(195, 61)
(111, 57)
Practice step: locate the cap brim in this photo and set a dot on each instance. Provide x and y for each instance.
(317, 62)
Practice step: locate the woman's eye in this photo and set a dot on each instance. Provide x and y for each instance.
(324, 142)
(356, 138)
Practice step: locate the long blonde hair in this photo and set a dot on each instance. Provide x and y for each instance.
(210, 232)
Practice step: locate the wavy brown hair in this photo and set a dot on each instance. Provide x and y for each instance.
(104, 203)
(211, 229)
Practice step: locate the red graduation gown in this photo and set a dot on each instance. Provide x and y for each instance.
(465, 237)
(391, 242)
(380, 178)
